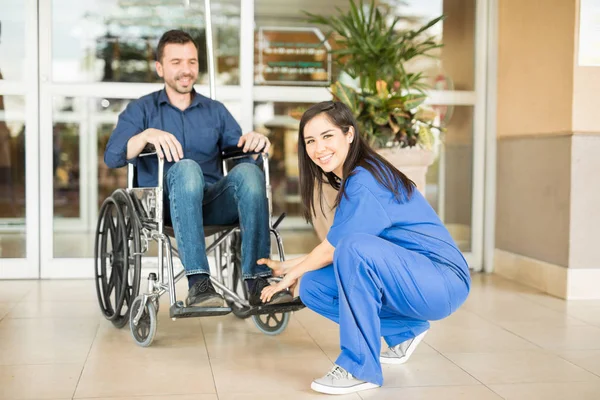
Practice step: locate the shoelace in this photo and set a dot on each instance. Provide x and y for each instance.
(338, 372)
(203, 285)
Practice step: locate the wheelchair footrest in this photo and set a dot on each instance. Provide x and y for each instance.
(178, 310)
(294, 305)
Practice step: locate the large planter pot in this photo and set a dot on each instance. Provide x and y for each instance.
(413, 162)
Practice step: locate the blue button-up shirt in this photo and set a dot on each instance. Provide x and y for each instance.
(203, 129)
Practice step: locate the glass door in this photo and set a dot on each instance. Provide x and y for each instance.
(19, 220)
(96, 57)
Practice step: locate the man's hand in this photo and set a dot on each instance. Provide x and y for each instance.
(166, 145)
(254, 142)
(279, 268)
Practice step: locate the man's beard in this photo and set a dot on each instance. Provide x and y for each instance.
(180, 89)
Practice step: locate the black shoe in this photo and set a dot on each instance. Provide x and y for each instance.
(203, 294)
(255, 288)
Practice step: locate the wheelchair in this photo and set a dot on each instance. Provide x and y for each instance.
(130, 219)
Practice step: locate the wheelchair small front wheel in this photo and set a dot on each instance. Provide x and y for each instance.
(143, 333)
(271, 324)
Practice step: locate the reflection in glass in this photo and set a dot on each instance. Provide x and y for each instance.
(450, 68)
(280, 122)
(12, 177)
(115, 41)
(450, 179)
(66, 170)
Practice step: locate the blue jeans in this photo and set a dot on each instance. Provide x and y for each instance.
(238, 197)
(375, 288)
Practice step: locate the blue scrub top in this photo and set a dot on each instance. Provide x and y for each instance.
(371, 208)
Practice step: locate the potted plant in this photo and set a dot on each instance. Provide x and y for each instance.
(386, 99)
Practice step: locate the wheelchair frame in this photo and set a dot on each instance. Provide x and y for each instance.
(142, 210)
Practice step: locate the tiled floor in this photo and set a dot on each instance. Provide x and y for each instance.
(506, 342)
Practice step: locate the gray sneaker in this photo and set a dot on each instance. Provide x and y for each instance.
(400, 353)
(340, 381)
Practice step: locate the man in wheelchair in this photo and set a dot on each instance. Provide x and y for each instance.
(190, 131)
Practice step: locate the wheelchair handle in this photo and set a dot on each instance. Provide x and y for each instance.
(236, 152)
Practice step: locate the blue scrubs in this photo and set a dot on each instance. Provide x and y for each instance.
(395, 268)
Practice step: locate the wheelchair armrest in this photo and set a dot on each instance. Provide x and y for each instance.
(231, 153)
(149, 150)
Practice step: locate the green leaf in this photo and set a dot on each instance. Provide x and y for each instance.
(381, 118)
(345, 94)
(413, 101)
(373, 100)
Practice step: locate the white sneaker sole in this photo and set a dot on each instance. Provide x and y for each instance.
(317, 387)
(411, 349)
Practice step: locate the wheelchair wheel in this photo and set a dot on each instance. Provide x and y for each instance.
(133, 267)
(271, 324)
(143, 333)
(110, 255)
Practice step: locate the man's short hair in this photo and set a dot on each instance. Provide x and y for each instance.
(173, 36)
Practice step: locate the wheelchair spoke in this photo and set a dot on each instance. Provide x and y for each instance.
(111, 283)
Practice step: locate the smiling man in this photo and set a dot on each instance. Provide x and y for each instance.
(189, 131)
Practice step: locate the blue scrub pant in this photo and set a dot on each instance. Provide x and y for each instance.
(376, 288)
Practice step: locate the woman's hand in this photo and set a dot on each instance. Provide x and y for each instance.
(279, 268)
(268, 292)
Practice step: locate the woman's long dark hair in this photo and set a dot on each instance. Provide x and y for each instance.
(359, 154)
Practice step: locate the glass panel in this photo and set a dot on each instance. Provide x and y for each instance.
(115, 41)
(449, 187)
(12, 39)
(12, 177)
(278, 121)
(452, 68)
(71, 232)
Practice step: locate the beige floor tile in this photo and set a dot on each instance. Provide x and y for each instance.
(56, 309)
(548, 336)
(520, 367)
(113, 376)
(267, 375)
(162, 397)
(39, 381)
(426, 370)
(307, 394)
(231, 324)
(549, 391)
(585, 312)
(5, 309)
(587, 359)
(257, 345)
(13, 291)
(489, 340)
(62, 290)
(546, 300)
(483, 338)
(174, 339)
(516, 309)
(479, 392)
(312, 321)
(45, 341)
